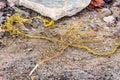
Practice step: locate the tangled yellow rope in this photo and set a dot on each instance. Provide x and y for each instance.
(8, 27)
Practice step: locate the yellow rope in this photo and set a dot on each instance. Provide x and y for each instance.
(98, 54)
(48, 23)
(8, 26)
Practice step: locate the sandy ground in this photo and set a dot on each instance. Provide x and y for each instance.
(18, 59)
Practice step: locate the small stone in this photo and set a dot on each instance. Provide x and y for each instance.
(108, 19)
(2, 20)
(30, 49)
(108, 1)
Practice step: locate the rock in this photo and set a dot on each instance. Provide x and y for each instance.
(54, 9)
(108, 19)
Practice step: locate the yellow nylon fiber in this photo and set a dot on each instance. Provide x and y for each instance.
(8, 26)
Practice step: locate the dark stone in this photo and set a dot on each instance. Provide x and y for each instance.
(108, 1)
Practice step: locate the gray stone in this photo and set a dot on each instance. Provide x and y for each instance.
(54, 9)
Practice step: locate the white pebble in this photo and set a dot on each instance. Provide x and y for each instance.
(108, 19)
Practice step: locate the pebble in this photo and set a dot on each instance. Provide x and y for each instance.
(30, 49)
(2, 20)
(108, 19)
(108, 1)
